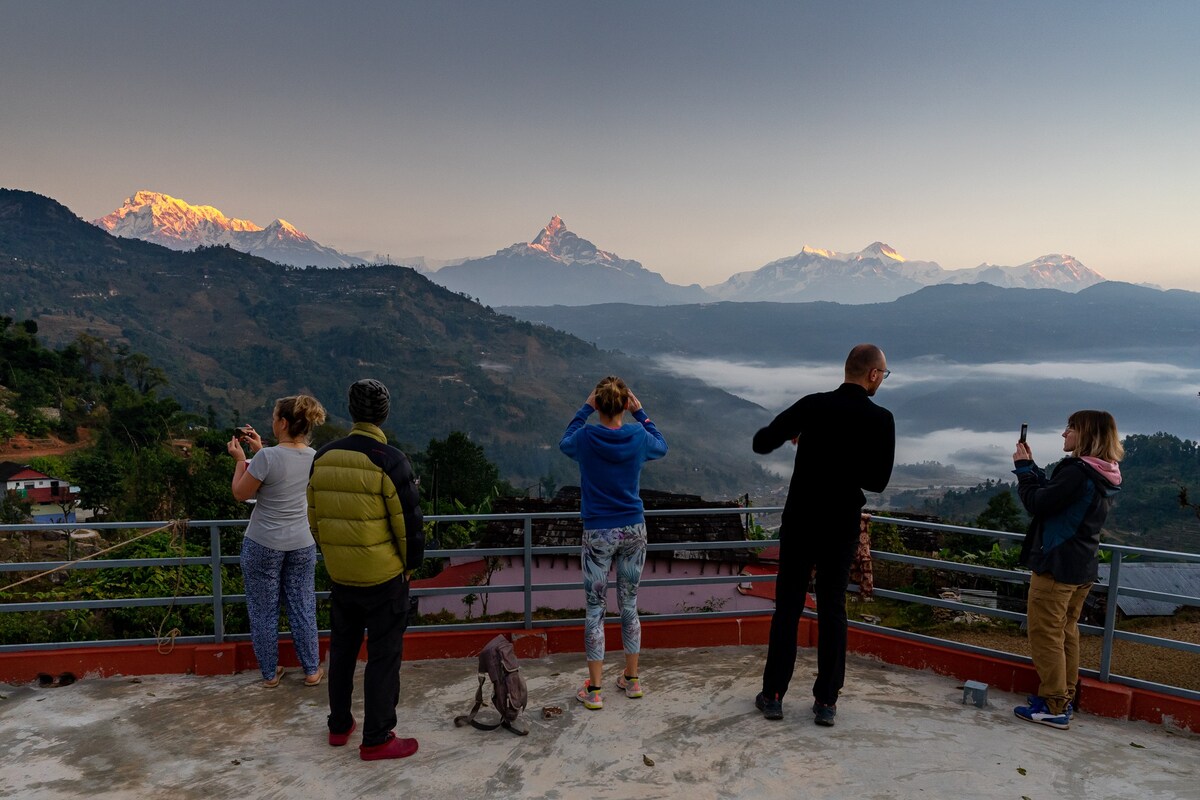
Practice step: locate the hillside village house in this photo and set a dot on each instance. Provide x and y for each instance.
(51, 499)
(565, 568)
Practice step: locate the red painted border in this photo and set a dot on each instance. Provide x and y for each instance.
(1104, 699)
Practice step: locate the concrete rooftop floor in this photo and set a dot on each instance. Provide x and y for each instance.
(900, 734)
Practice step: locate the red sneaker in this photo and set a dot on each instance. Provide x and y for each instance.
(340, 739)
(392, 748)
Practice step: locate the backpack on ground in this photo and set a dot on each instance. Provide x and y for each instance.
(498, 663)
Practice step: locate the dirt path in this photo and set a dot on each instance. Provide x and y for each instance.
(21, 447)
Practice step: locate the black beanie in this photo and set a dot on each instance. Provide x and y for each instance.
(369, 401)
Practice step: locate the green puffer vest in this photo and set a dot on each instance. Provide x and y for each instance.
(363, 508)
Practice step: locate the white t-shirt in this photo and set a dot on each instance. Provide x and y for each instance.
(280, 517)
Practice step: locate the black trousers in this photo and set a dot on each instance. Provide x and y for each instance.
(828, 543)
(381, 610)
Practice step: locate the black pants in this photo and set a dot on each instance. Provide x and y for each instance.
(383, 611)
(828, 543)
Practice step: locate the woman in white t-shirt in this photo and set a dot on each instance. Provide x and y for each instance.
(279, 555)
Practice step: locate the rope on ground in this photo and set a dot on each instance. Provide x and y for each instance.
(166, 643)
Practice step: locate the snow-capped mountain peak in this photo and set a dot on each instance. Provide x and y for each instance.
(881, 250)
(550, 237)
(174, 223)
(282, 229)
(169, 221)
(559, 267)
(551, 231)
(1052, 271)
(564, 247)
(876, 250)
(878, 273)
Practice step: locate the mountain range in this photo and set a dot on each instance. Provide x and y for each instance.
(879, 274)
(558, 267)
(174, 223)
(971, 323)
(233, 332)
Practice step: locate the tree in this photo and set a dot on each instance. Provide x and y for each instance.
(458, 470)
(14, 509)
(99, 480)
(1002, 514)
(142, 373)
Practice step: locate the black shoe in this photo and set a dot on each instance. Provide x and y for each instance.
(824, 714)
(771, 709)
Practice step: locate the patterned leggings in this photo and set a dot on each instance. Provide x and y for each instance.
(267, 573)
(601, 546)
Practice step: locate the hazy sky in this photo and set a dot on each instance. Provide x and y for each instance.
(699, 138)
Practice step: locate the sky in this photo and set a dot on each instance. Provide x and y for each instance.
(700, 138)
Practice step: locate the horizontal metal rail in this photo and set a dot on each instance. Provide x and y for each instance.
(215, 560)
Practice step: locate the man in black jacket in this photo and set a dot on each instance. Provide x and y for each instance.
(844, 444)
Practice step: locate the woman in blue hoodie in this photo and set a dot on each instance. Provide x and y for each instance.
(1061, 549)
(610, 457)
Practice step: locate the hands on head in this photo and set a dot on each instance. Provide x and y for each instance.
(633, 405)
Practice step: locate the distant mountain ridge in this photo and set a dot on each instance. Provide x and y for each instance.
(879, 274)
(179, 225)
(966, 323)
(558, 267)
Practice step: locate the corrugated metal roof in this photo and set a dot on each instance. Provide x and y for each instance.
(1173, 578)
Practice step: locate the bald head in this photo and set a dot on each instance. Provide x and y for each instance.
(866, 366)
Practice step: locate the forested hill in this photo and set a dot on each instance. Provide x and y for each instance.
(233, 332)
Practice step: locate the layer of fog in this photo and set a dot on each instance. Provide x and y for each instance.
(967, 416)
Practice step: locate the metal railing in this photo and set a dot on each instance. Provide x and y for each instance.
(218, 598)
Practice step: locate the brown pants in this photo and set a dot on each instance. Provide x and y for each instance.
(1053, 624)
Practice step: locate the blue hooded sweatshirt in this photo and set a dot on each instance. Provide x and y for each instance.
(610, 467)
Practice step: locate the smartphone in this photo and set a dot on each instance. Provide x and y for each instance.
(1024, 431)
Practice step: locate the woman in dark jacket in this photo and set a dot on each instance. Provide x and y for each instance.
(1060, 549)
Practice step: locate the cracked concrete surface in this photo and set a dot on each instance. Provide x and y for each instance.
(900, 734)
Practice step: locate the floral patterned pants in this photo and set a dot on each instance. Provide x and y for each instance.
(601, 547)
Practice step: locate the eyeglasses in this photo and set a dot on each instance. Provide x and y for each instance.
(885, 372)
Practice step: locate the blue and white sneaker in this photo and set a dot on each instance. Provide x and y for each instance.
(1037, 711)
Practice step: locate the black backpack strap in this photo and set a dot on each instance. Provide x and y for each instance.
(469, 719)
(515, 726)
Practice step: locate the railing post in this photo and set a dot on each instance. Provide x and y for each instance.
(1110, 616)
(528, 560)
(218, 590)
